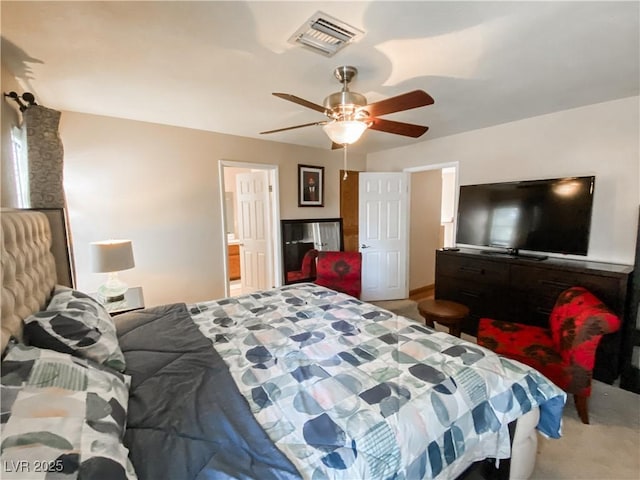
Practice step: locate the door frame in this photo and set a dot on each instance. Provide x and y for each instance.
(274, 214)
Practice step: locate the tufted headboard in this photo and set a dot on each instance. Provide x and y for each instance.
(28, 269)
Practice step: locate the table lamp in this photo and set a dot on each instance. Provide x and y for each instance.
(112, 256)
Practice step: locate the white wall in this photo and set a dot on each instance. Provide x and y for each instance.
(601, 140)
(158, 186)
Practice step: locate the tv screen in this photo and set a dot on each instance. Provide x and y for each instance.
(552, 215)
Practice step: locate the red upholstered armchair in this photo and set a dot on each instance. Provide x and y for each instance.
(565, 352)
(307, 270)
(340, 271)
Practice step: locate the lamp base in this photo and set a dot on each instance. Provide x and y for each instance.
(105, 299)
(114, 289)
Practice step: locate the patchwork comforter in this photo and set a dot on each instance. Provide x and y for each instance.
(304, 381)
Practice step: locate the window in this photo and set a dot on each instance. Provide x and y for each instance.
(20, 167)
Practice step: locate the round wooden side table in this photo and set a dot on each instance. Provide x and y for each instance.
(445, 312)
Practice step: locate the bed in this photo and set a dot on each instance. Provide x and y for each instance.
(294, 382)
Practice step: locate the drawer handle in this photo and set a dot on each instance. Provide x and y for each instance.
(553, 283)
(469, 294)
(472, 270)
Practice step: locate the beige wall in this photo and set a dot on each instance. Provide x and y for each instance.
(158, 186)
(600, 140)
(424, 225)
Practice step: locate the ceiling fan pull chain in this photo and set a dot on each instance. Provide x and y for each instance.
(344, 177)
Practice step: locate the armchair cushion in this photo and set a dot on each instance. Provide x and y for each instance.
(530, 345)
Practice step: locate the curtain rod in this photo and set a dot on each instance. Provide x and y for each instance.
(26, 96)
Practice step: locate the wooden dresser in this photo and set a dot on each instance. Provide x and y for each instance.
(523, 290)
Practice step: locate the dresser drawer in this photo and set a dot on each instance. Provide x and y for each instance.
(474, 270)
(547, 284)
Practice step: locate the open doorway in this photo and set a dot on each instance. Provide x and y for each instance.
(431, 222)
(250, 219)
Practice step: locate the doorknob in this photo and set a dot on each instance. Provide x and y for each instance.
(365, 246)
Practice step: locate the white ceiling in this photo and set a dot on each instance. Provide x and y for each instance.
(213, 65)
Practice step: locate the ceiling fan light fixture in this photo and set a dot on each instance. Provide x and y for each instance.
(345, 132)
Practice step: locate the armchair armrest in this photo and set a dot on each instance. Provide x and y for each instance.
(578, 322)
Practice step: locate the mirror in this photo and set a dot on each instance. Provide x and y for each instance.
(300, 236)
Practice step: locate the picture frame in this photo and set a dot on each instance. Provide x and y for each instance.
(310, 186)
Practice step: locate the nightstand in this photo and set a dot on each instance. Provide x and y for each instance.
(133, 300)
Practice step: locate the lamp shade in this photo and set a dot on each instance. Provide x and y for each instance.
(111, 256)
(345, 132)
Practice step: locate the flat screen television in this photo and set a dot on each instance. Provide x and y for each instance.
(551, 215)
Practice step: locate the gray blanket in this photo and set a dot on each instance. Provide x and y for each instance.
(186, 418)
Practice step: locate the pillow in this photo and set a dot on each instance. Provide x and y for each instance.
(76, 324)
(62, 417)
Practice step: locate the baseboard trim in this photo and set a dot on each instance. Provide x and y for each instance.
(426, 290)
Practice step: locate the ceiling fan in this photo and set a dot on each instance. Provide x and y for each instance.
(350, 114)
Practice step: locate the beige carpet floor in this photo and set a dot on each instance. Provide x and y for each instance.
(606, 449)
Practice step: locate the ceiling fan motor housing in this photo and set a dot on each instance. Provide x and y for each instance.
(346, 104)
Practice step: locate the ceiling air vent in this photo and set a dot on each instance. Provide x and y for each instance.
(326, 35)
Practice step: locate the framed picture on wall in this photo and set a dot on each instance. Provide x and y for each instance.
(310, 186)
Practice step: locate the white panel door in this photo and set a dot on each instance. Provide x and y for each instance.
(252, 193)
(384, 236)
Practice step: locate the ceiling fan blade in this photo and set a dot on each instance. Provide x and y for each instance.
(301, 101)
(335, 146)
(406, 101)
(399, 128)
(291, 128)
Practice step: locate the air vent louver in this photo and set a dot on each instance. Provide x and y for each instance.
(325, 34)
